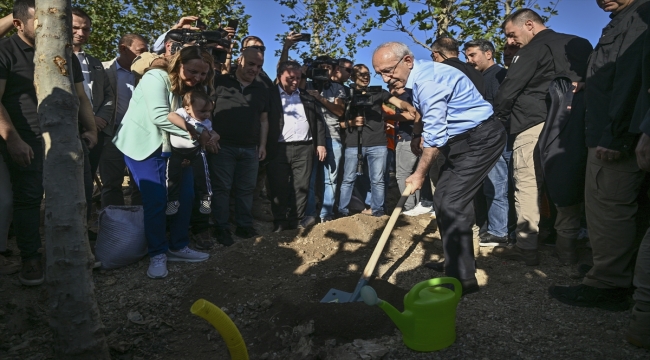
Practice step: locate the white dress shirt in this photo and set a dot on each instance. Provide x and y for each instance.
(296, 127)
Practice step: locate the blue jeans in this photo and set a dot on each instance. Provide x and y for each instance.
(375, 156)
(331, 172)
(150, 175)
(229, 164)
(495, 188)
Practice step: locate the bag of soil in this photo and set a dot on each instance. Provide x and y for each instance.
(120, 239)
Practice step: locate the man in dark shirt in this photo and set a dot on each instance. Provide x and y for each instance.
(445, 50)
(21, 142)
(240, 117)
(521, 101)
(491, 204)
(617, 100)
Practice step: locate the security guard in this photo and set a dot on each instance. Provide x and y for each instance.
(544, 55)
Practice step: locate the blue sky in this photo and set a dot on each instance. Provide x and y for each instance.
(579, 17)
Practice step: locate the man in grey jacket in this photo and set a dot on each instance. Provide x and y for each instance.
(122, 82)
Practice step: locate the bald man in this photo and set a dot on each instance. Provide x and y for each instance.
(457, 122)
(240, 117)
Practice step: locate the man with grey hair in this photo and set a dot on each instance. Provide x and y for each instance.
(492, 201)
(457, 122)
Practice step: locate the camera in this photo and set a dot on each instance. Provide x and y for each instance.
(362, 99)
(205, 39)
(314, 71)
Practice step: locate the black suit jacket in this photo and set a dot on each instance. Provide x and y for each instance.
(314, 118)
(474, 75)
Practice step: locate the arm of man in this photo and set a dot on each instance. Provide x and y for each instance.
(264, 131)
(319, 139)
(107, 108)
(19, 151)
(409, 110)
(643, 147)
(432, 99)
(86, 116)
(518, 76)
(6, 24)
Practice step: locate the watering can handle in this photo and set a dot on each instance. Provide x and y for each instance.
(458, 289)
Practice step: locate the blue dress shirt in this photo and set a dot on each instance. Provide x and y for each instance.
(447, 100)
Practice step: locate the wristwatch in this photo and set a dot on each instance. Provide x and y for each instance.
(414, 135)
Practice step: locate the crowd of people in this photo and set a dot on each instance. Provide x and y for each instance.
(532, 153)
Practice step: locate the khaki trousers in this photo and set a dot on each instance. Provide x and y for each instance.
(611, 191)
(567, 222)
(527, 179)
(642, 275)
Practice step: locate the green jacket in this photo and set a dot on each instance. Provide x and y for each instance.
(145, 124)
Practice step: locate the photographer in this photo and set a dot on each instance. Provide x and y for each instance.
(366, 139)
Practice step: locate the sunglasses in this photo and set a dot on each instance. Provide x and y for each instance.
(347, 69)
(258, 47)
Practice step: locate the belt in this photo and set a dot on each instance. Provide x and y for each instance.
(295, 143)
(466, 134)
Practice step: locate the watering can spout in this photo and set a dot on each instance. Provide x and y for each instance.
(402, 321)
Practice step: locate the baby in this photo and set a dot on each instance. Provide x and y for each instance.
(196, 111)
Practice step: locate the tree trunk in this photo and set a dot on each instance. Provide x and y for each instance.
(74, 316)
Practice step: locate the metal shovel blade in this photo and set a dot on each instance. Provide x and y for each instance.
(338, 296)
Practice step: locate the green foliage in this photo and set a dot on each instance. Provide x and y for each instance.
(149, 18)
(337, 27)
(425, 20)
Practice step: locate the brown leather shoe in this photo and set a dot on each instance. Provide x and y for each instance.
(8, 267)
(638, 333)
(530, 257)
(565, 249)
(32, 273)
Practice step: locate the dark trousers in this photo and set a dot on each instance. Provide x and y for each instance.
(233, 167)
(468, 162)
(288, 176)
(96, 152)
(151, 174)
(199, 164)
(111, 171)
(27, 186)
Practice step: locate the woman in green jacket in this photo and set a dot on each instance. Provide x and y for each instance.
(143, 137)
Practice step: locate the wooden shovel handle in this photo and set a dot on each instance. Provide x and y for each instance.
(370, 267)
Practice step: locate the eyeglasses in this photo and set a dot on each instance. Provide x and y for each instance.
(433, 57)
(261, 48)
(388, 72)
(363, 74)
(347, 69)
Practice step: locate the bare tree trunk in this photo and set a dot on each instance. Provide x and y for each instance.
(74, 316)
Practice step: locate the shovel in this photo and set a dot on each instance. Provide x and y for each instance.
(338, 296)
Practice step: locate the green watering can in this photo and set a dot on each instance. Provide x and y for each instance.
(428, 322)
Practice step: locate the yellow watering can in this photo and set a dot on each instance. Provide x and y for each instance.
(428, 322)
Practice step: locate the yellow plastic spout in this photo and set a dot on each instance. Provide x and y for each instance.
(226, 328)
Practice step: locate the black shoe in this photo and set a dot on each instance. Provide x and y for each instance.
(470, 286)
(223, 236)
(492, 240)
(436, 266)
(282, 226)
(245, 232)
(514, 252)
(589, 296)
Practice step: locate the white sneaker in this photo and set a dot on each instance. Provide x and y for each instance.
(187, 255)
(418, 210)
(158, 267)
(433, 214)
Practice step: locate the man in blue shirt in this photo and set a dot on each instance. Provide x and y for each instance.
(457, 122)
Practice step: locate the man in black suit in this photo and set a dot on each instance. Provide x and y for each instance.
(445, 50)
(292, 142)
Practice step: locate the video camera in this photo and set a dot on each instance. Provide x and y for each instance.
(205, 39)
(314, 71)
(362, 99)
